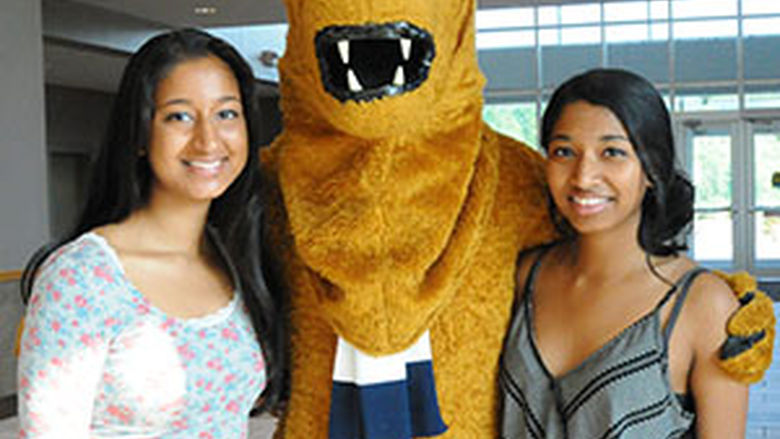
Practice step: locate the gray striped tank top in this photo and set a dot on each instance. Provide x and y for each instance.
(620, 391)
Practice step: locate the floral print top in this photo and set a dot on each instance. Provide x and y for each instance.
(99, 361)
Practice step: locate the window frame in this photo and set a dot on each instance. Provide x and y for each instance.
(743, 208)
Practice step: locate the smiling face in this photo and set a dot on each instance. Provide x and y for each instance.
(593, 172)
(198, 137)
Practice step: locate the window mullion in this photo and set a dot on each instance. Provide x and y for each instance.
(742, 172)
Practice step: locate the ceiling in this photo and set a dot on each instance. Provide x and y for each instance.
(181, 13)
(86, 42)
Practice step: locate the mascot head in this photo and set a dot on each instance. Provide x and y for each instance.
(380, 68)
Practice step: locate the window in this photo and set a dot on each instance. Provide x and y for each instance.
(709, 150)
(703, 8)
(580, 35)
(761, 26)
(622, 33)
(659, 10)
(514, 119)
(706, 102)
(625, 11)
(765, 139)
(506, 39)
(248, 39)
(503, 18)
(747, 227)
(581, 14)
(760, 7)
(705, 29)
(762, 99)
(549, 15)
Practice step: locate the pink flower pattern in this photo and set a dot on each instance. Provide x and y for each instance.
(97, 359)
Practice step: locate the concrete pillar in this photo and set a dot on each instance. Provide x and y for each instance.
(24, 217)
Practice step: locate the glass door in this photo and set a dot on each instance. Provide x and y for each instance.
(764, 138)
(733, 164)
(709, 154)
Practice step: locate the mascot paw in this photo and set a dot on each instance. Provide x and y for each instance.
(747, 352)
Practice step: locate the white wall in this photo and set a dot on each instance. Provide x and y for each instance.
(24, 221)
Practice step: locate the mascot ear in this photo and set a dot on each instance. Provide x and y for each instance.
(747, 352)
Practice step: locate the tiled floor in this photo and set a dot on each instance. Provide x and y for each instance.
(261, 427)
(764, 409)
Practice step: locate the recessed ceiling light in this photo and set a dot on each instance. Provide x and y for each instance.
(205, 10)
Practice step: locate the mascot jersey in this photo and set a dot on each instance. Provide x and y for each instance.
(395, 218)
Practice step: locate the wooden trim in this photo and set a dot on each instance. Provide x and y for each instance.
(8, 276)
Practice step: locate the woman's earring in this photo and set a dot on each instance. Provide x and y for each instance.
(142, 152)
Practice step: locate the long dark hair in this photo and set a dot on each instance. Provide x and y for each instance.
(667, 207)
(122, 179)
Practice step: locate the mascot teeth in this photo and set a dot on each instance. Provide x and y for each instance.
(399, 79)
(406, 48)
(344, 51)
(364, 63)
(354, 82)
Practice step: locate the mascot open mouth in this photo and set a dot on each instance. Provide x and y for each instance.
(363, 63)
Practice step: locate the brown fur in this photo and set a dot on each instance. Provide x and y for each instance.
(464, 297)
(397, 216)
(751, 318)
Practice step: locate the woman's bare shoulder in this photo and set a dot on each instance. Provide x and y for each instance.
(713, 296)
(710, 303)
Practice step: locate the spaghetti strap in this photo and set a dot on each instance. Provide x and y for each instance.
(530, 281)
(683, 285)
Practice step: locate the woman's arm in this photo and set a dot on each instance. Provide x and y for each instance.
(63, 349)
(721, 401)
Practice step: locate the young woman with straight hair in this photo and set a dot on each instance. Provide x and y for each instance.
(152, 319)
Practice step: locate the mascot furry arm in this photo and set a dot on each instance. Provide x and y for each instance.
(395, 211)
(747, 353)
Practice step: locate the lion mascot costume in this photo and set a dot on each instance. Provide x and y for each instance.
(395, 218)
